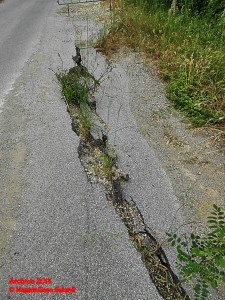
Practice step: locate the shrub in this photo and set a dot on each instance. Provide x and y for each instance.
(202, 260)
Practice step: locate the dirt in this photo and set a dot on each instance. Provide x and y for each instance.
(192, 157)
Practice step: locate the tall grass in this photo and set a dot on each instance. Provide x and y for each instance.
(189, 47)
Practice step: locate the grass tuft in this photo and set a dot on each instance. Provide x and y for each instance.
(75, 89)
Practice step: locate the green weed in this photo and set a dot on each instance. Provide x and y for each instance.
(76, 92)
(103, 163)
(107, 163)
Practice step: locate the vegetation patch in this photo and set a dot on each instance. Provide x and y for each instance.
(76, 86)
(187, 39)
(202, 260)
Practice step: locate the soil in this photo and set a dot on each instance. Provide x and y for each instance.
(192, 157)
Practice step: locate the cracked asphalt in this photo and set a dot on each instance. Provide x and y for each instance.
(54, 223)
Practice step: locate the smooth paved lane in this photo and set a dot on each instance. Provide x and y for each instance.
(21, 25)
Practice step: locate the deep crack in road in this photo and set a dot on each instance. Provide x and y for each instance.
(54, 223)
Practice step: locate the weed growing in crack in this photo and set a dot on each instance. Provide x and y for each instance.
(76, 93)
(107, 163)
(85, 121)
(77, 84)
(103, 165)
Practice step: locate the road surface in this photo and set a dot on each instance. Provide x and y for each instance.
(54, 223)
(21, 25)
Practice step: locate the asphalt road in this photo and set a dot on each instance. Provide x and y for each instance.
(53, 222)
(21, 25)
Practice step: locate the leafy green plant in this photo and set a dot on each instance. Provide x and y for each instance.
(202, 259)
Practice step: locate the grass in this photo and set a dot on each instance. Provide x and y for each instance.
(106, 165)
(76, 91)
(190, 51)
(76, 85)
(102, 164)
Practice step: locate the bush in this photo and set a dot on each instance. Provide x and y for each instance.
(202, 260)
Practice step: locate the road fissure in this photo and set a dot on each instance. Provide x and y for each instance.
(100, 163)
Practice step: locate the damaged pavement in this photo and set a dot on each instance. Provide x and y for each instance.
(56, 221)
